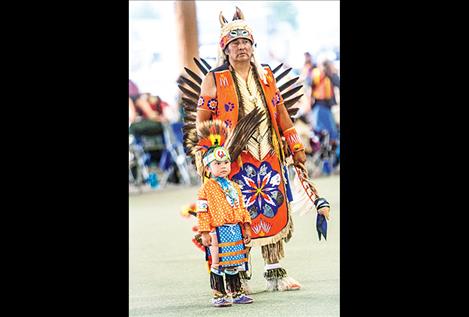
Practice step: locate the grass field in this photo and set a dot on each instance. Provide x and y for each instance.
(168, 276)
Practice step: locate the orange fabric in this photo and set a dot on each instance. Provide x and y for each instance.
(227, 111)
(233, 262)
(233, 253)
(262, 226)
(219, 211)
(322, 87)
(230, 244)
(226, 96)
(207, 103)
(293, 140)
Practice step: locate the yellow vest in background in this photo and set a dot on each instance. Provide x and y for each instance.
(322, 86)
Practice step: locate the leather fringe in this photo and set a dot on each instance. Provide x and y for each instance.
(216, 283)
(233, 283)
(244, 275)
(273, 253)
(275, 274)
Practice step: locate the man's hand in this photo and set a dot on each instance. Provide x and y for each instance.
(299, 157)
(206, 239)
(324, 211)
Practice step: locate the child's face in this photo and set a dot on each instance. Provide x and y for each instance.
(220, 169)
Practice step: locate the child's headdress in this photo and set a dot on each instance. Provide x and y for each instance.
(213, 136)
(215, 141)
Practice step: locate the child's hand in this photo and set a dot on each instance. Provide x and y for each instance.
(247, 234)
(324, 211)
(206, 239)
(247, 237)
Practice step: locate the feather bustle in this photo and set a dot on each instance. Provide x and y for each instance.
(191, 84)
(277, 68)
(201, 67)
(291, 92)
(290, 102)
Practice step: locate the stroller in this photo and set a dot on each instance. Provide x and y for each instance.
(138, 163)
(173, 160)
(325, 156)
(172, 166)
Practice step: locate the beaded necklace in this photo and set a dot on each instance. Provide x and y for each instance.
(230, 192)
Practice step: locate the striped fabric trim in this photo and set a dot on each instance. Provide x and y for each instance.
(233, 262)
(229, 244)
(232, 253)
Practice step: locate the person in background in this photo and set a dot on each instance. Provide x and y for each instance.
(324, 78)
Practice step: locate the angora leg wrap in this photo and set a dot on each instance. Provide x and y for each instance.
(288, 284)
(217, 284)
(233, 283)
(277, 279)
(273, 276)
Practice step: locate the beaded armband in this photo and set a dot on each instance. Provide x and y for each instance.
(293, 140)
(202, 206)
(207, 103)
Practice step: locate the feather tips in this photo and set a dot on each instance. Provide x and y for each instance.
(243, 132)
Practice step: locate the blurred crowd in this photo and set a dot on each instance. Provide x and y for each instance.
(318, 120)
(156, 153)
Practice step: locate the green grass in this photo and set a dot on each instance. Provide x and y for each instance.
(168, 275)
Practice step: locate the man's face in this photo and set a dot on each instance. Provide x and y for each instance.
(239, 50)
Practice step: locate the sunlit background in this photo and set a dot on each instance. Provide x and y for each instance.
(167, 273)
(283, 30)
